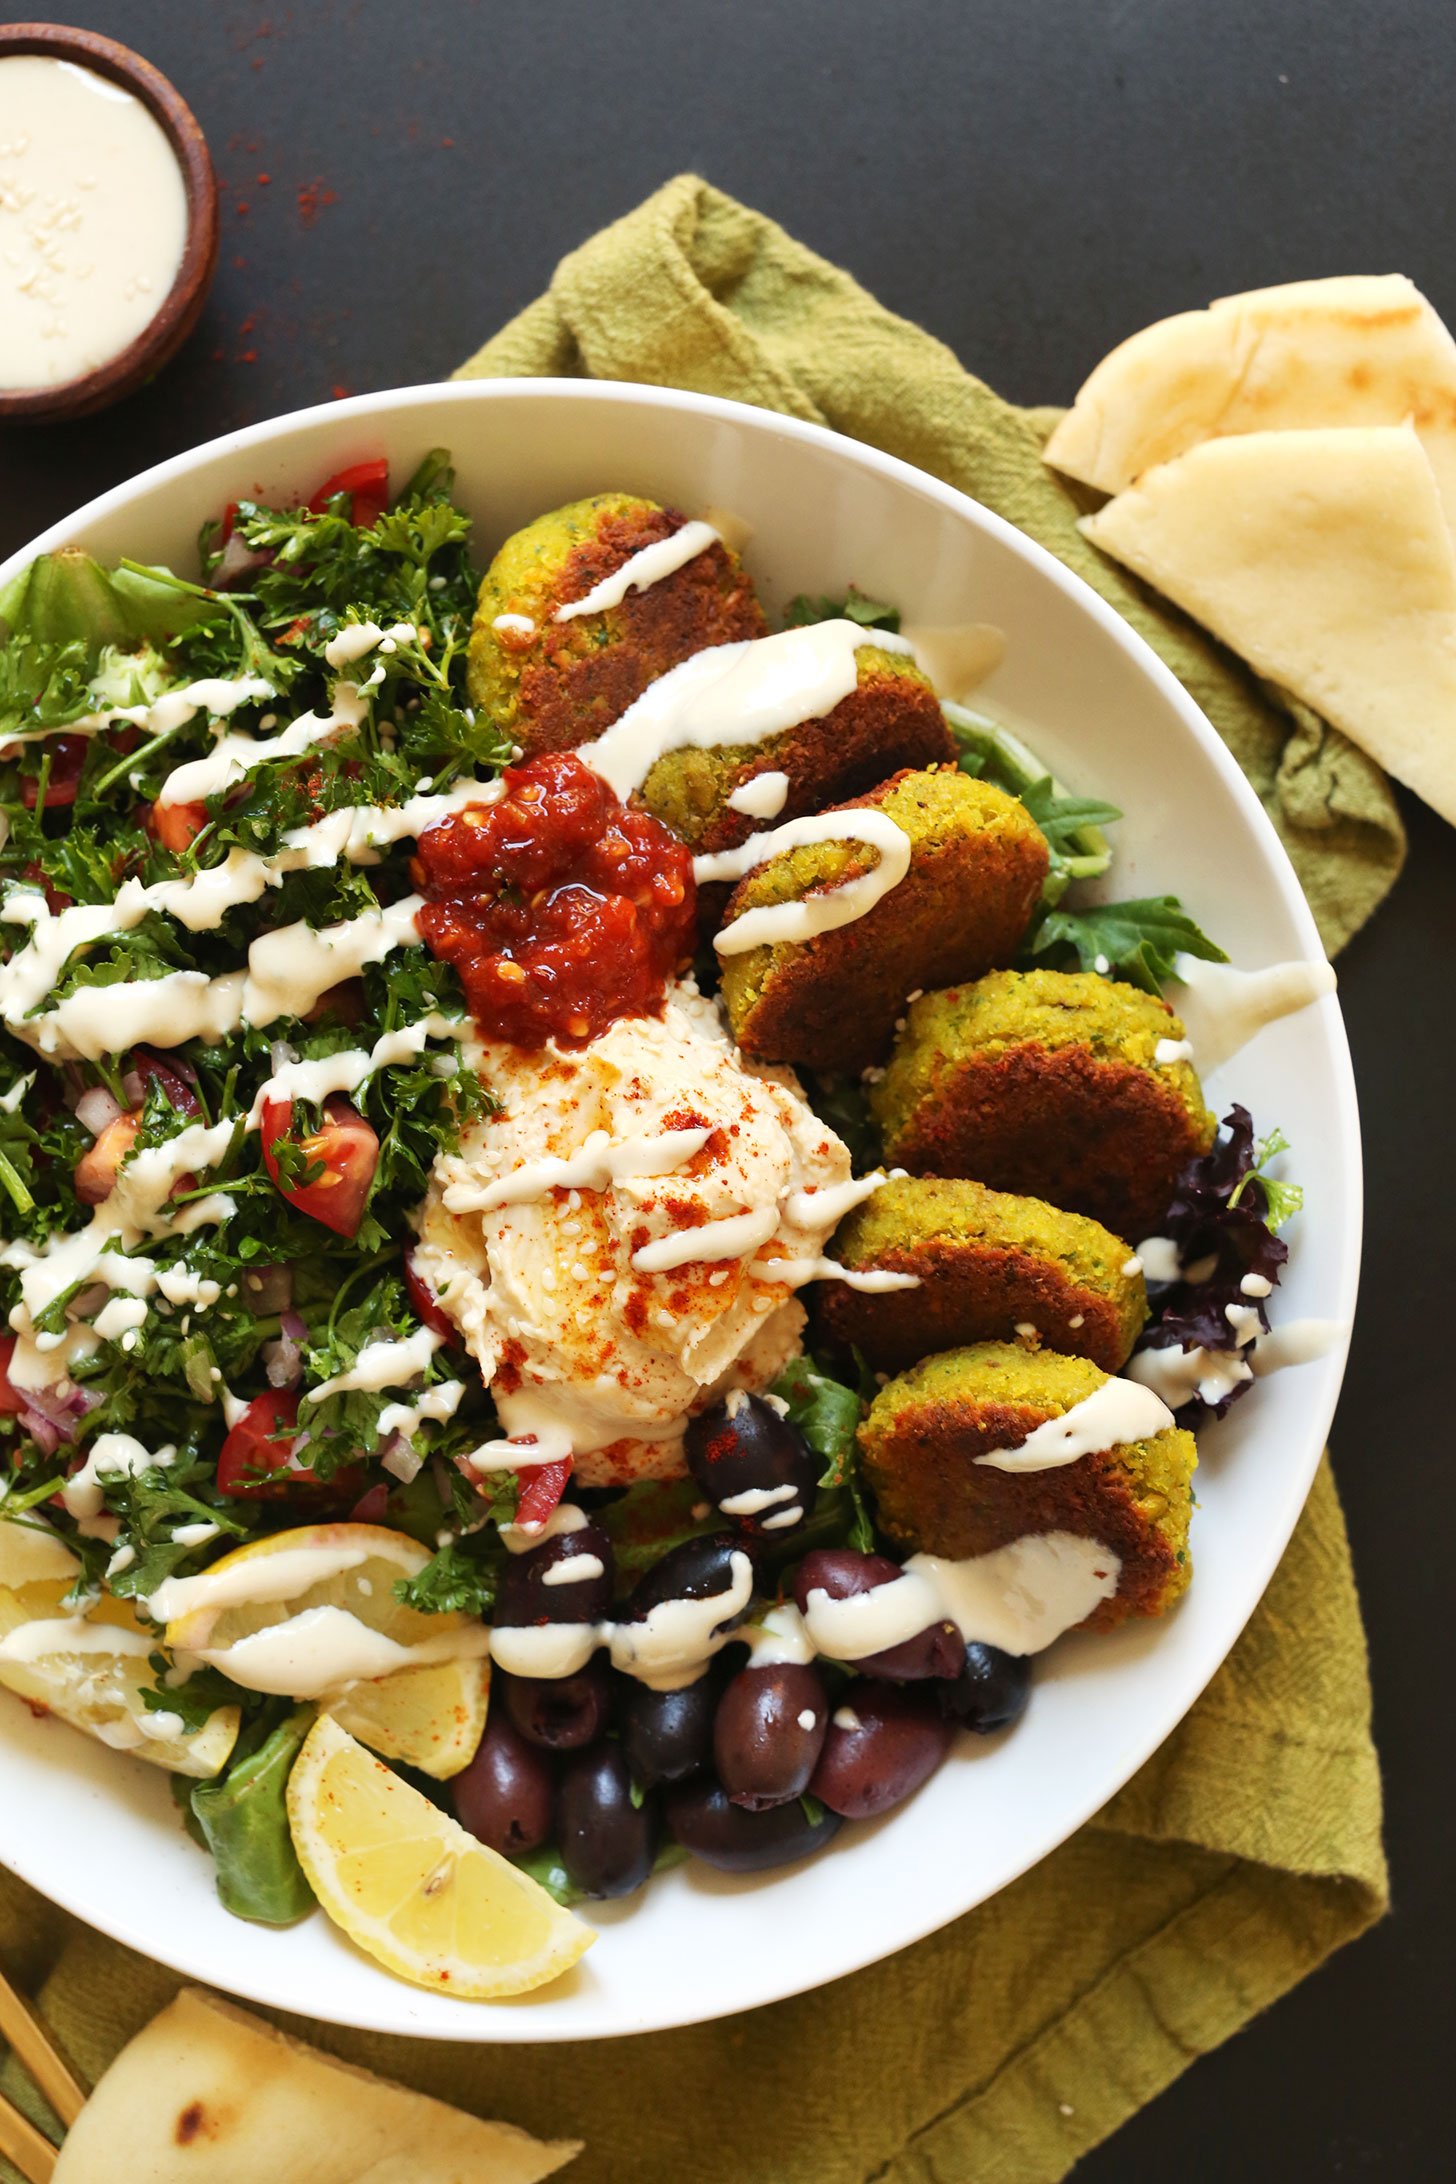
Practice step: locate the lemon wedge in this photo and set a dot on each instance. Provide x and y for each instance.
(411, 1888)
(312, 1614)
(91, 1670)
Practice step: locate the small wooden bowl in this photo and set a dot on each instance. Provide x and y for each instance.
(160, 339)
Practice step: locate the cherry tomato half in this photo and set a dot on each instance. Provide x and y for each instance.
(177, 826)
(348, 1149)
(368, 485)
(68, 759)
(256, 1459)
(12, 1402)
(544, 1487)
(428, 1310)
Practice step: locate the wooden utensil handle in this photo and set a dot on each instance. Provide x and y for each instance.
(20, 2142)
(33, 2048)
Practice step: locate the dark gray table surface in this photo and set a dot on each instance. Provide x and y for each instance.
(1032, 180)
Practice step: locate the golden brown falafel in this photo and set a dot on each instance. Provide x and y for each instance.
(990, 1266)
(924, 1431)
(891, 719)
(553, 684)
(1047, 1083)
(977, 862)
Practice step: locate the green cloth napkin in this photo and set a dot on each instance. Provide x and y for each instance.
(1249, 1848)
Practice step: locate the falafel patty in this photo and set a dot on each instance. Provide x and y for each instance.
(990, 1266)
(924, 1431)
(1047, 1083)
(891, 719)
(977, 862)
(555, 684)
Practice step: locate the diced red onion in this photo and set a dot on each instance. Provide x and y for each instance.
(295, 1326)
(46, 1436)
(268, 1289)
(281, 1053)
(373, 1506)
(237, 562)
(282, 1362)
(60, 1411)
(400, 1460)
(89, 1301)
(96, 1107)
(133, 1088)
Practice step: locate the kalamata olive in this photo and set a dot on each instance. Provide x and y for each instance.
(884, 1740)
(991, 1690)
(768, 1733)
(698, 1569)
(843, 1574)
(607, 1842)
(702, 1817)
(504, 1796)
(753, 1465)
(530, 1592)
(665, 1734)
(560, 1713)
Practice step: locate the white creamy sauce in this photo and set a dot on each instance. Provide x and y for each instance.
(437, 1403)
(872, 1279)
(283, 1575)
(49, 1635)
(830, 907)
(217, 695)
(1117, 1412)
(1158, 1257)
(755, 1499)
(732, 695)
(1018, 1598)
(831, 1202)
(577, 1570)
(383, 1365)
(1169, 1051)
(234, 757)
(1298, 1342)
(955, 655)
(518, 1539)
(111, 1456)
(357, 638)
(762, 797)
(732, 1238)
(599, 1165)
(514, 625)
(641, 570)
(669, 1647)
(780, 1637)
(289, 970)
(93, 220)
(1222, 1008)
(325, 1649)
(347, 1070)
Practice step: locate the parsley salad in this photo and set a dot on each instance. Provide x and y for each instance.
(461, 1387)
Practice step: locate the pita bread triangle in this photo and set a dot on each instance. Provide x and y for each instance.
(1323, 558)
(1363, 349)
(207, 2094)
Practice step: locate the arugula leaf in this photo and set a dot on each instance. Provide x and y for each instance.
(1079, 850)
(853, 607)
(1136, 941)
(243, 1815)
(828, 1414)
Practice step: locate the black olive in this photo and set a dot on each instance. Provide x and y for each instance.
(938, 1650)
(698, 1569)
(606, 1838)
(560, 1713)
(991, 1690)
(703, 1819)
(884, 1740)
(742, 1450)
(768, 1732)
(527, 1595)
(504, 1796)
(665, 1734)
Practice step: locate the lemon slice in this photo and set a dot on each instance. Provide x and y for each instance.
(411, 1888)
(311, 1612)
(91, 1670)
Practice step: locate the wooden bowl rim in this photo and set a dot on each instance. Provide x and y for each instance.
(177, 313)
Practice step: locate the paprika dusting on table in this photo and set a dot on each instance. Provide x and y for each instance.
(560, 908)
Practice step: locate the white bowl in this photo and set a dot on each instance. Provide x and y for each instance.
(98, 1832)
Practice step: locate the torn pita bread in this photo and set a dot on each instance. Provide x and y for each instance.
(1324, 559)
(209, 2095)
(1364, 349)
